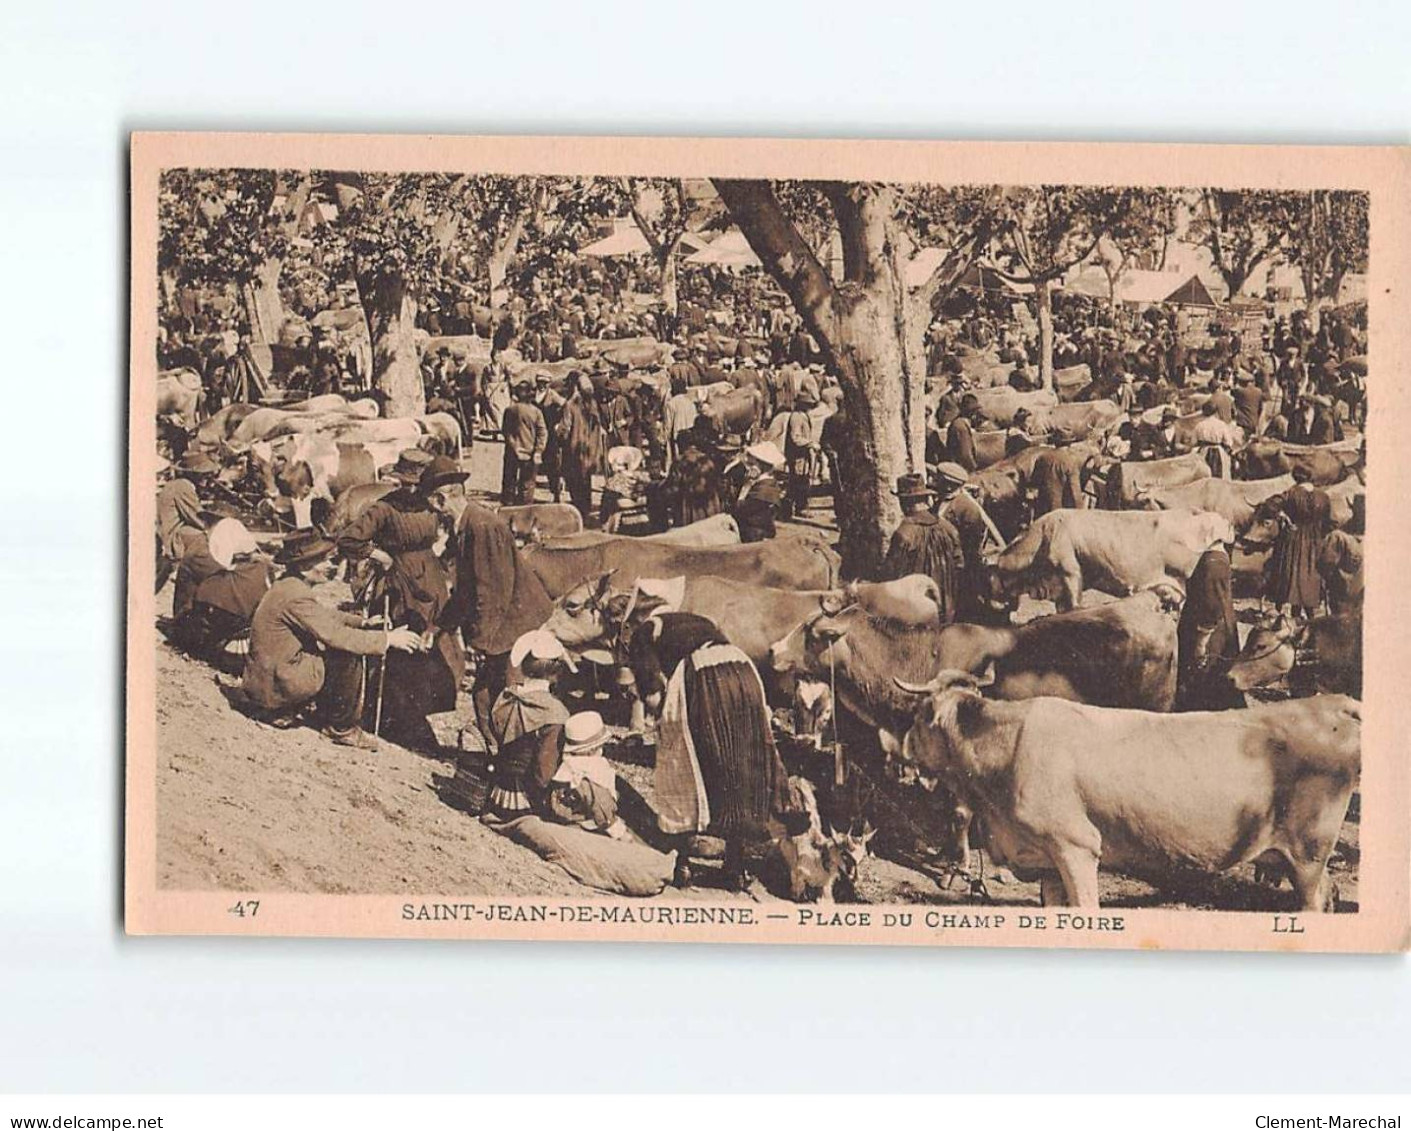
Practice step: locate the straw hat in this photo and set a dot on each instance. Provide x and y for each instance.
(584, 732)
(767, 452)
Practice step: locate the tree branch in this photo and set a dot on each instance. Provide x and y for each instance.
(784, 253)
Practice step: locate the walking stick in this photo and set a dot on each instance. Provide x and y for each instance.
(382, 672)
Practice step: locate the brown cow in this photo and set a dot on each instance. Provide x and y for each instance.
(1327, 463)
(1125, 481)
(787, 563)
(1120, 654)
(1332, 644)
(1236, 499)
(1065, 787)
(1117, 552)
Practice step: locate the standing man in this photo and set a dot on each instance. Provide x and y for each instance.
(680, 417)
(582, 445)
(526, 436)
(800, 443)
(1249, 404)
(497, 598)
(960, 440)
(925, 544)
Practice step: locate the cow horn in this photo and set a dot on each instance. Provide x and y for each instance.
(946, 677)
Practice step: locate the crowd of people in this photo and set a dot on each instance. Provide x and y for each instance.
(438, 575)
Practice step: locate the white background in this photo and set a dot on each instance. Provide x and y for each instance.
(83, 1008)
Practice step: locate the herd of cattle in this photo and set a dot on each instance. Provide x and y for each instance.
(1054, 740)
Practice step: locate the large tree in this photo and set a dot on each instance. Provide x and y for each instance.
(871, 327)
(1326, 240)
(1242, 229)
(1139, 237)
(232, 227)
(1043, 231)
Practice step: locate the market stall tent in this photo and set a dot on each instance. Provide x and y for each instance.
(731, 251)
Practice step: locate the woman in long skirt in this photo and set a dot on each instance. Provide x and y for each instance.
(717, 769)
(1293, 577)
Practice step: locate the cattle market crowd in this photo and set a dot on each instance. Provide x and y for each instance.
(1158, 550)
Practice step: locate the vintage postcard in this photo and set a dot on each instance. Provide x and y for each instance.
(911, 543)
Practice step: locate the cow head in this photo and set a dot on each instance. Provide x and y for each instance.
(1268, 655)
(1263, 529)
(816, 647)
(949, 706)
(1143, 500)
(588, 614)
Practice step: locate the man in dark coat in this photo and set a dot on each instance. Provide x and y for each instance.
(526, 436)
(1249, 404)
(583, 445)
(497, 598)
(925, 544)
(960, 441)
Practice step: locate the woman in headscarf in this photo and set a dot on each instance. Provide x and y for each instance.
(219, 584)
(1293, 577)
(400, 534)
(1207, 637)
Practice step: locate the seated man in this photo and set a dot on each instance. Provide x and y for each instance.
(303, 651)
(219, 584)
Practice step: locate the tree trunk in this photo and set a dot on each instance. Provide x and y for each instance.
(669, 296)
(500, 256)
(264, 309)
(872, 336)
(1043, 299)
(390, 309)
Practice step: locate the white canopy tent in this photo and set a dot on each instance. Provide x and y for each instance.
(731, 251)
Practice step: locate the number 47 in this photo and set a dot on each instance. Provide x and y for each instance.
(243, 907)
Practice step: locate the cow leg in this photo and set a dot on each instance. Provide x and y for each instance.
(1078, 867)
(1310, 881)
(1051, 893)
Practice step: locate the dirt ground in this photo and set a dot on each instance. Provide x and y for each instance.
(246, 807)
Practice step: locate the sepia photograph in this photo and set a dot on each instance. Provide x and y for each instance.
(804, 547)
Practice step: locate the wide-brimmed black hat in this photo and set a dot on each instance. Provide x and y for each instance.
(912, 485)
(439, 472)
(304, 548)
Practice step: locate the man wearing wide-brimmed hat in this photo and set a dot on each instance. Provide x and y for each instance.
(399, 534)
(963, 510)
(302, 651)
(924, 543)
